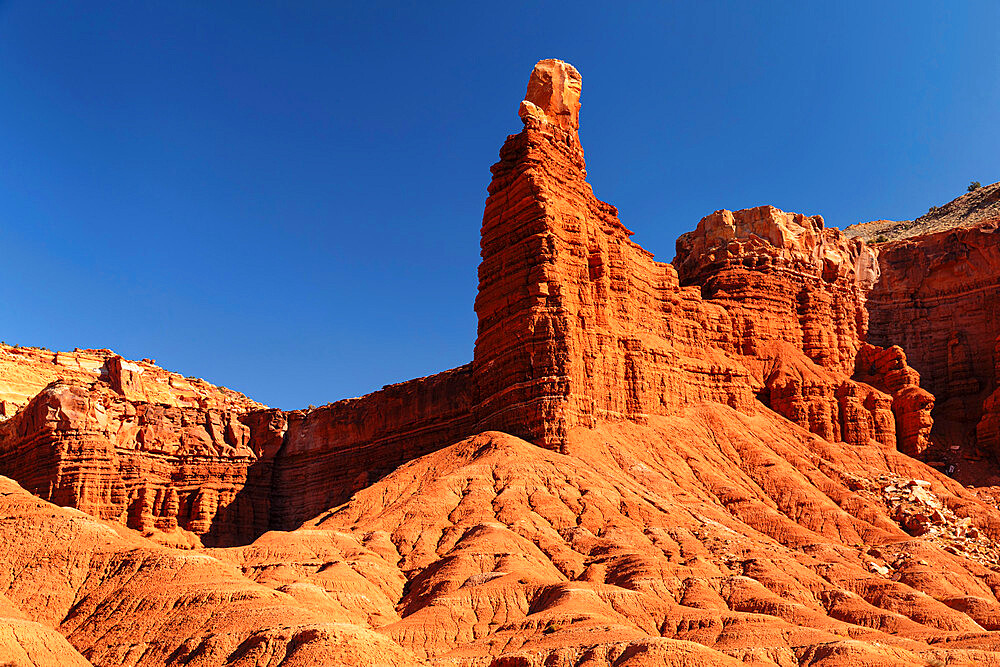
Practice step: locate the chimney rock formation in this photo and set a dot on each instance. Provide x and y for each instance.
(760, 311)
(704, 462)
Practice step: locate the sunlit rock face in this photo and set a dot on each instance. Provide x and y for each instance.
(578, 325)
(553, 95)
(704, 462)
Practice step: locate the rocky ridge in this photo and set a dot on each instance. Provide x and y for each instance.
(969, 210)
(25, 371)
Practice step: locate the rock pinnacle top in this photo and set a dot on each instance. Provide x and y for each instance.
(553, 94)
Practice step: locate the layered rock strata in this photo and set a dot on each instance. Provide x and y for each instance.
(328, 453)
(938, 299)
(578, 325)
(587, 326)
(176, 472)
(680, 492)
(182, 474)
(25, 371)
(795, 291)
(576, 322)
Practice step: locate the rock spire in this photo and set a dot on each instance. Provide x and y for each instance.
(553, 94)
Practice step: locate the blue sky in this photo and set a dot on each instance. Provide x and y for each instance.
(285, 198)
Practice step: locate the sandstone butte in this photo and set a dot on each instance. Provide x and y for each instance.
(737, 458)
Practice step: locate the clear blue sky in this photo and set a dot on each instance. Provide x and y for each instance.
(285, 198)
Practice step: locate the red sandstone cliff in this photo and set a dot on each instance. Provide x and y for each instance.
(938, 299)
(577, 325)
(586, 326)
(25, 371)
(704, 462)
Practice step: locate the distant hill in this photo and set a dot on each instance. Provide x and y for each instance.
(965, 211)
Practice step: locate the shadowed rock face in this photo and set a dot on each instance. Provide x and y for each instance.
(938, 299)
(697, 463)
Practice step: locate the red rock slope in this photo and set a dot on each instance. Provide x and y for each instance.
(122, 600)
(694, 539)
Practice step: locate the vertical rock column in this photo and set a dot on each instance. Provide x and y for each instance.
(522, 350)
(577, 323)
